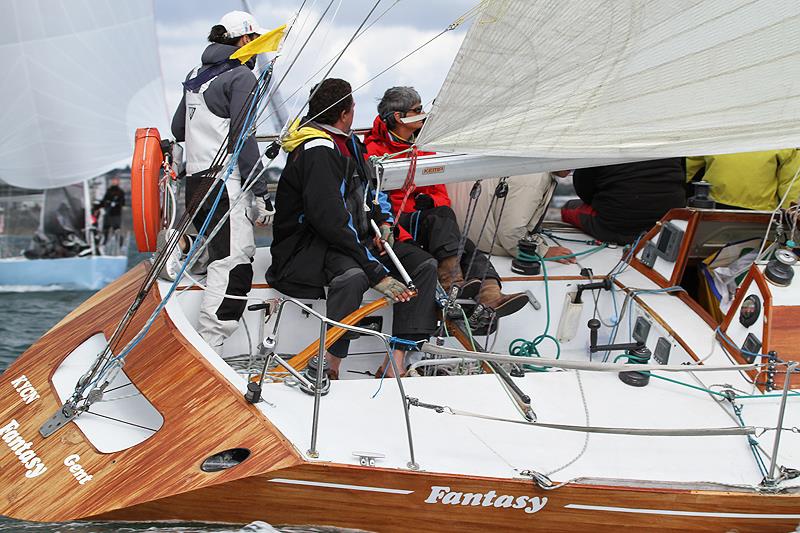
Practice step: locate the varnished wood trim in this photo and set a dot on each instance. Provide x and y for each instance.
(663, 323)
(766, 296)
(203, 414)
(683, 252)
(300, 361)
(688, 236)
(754, 275)
(733, 216)
(406, 510)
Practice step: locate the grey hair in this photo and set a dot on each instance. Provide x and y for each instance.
(397, 99)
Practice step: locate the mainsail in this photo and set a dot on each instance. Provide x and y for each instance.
(596, 81)
(79, 78)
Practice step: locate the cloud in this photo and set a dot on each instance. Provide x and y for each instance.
(396, 34)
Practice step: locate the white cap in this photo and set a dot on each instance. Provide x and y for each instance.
(238, 23)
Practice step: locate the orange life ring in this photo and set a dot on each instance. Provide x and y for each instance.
(145, 197)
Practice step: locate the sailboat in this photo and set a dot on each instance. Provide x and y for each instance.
(645, 412)
(78, 81)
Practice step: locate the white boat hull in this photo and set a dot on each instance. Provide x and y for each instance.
(67, 273)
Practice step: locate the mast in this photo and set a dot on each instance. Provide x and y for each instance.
(87, 216)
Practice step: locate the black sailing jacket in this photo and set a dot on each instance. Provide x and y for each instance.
(630, 197)
(319, 205)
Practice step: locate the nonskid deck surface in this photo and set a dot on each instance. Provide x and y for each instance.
(352, 420)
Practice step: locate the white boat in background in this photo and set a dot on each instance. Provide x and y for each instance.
(613, 400)
(101, 57)
(92, 272)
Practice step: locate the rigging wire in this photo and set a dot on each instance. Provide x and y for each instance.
(346, 46)
(257, 95)
(321, 68)
(192, 255)
(107, 355)
(470, 14)
(115, 362)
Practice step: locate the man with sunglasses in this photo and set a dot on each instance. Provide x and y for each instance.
(426, 216)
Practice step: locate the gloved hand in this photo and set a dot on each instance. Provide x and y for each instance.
(387, 234)
(264, 212)
(394, 290)
(423, 201)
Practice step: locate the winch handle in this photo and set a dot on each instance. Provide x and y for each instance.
(397, 264)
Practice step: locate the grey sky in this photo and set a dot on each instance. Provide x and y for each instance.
(183, 26)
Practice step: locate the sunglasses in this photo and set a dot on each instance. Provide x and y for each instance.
(417, 109)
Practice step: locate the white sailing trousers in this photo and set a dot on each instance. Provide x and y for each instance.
(230, 270)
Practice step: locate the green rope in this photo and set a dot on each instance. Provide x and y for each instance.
(526, 348)
(716, 393)
(702, 389)
(536, 257)
(469, 330)
(568, 239)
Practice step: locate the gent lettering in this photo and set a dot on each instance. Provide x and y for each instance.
(81, 476)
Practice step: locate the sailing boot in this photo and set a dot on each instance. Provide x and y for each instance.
(449, 273)
(503, 304)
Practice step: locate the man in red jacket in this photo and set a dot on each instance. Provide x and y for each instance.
(426, 214)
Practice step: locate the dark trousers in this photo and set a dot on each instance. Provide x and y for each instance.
(111, 224)
(585, 218)
(414, 320)
(436, 231)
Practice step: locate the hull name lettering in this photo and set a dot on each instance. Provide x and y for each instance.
(443, 495)
(21, 448)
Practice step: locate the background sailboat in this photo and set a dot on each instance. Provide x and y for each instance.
(79, 79)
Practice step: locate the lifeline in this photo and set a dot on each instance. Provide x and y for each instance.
(21, 448)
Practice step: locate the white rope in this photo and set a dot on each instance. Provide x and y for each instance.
(586, 438)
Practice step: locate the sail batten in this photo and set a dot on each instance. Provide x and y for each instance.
(80, 77)
(595, 80)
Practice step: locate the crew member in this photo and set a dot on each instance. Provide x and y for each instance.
(216, 97)
(618, 202)
(112, 203)
(752, 180)
(322, 230)
(524, 210)
(426, 214)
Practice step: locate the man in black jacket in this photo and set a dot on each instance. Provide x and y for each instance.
(618, 202)
(322, 229)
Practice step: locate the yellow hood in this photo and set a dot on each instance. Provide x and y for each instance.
(296, 136)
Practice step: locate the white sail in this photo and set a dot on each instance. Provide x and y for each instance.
(78, 78)
(628, 79)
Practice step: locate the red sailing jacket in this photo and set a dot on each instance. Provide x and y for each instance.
(380, 142)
